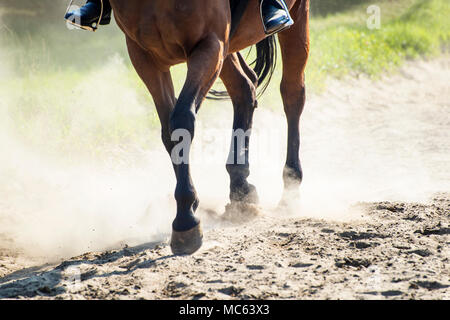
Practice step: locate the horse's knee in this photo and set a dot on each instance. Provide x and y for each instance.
(166, 138)
(182, 118)
(250, 90)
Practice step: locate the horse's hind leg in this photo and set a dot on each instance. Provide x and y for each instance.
(294, 44)
(241, 89)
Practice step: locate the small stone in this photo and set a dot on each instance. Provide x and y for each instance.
(301, 265)
(255, 267)
(391, 293)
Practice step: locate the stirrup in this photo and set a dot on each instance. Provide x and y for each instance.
(78, 25)
(287, 26)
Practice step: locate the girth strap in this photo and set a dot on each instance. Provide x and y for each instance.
(238, 8)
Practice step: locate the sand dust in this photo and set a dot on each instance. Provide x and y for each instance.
(372, 220)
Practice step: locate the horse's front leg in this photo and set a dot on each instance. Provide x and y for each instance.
(177, 126)
(236, 77)
(159, 83)
(204, 65)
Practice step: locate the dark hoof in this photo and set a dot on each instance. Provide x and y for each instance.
(186, 242)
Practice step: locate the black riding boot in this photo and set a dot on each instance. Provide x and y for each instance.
(87, 17)
(275, 16)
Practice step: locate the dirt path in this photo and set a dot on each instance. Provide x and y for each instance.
(399, 251)
(391, 242)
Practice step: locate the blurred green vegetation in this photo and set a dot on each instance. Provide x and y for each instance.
(342, 43)
(38, 39)
(57, 84)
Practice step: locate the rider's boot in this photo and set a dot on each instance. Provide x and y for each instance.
(89, 16)
(275, 16)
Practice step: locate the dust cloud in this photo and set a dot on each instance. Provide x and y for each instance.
(59, 204)
(364, 140)
(361, 141)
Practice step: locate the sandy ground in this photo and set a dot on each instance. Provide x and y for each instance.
(385, 248)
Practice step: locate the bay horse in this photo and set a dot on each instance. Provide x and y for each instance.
(208, 35)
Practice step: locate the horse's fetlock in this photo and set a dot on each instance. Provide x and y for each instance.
(292, 174)
(238, 171)
(185, 196)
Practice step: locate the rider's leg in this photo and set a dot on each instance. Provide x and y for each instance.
(274, 13)
(87, 17)
(275, 16)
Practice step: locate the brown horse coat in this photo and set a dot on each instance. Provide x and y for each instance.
(162, 33)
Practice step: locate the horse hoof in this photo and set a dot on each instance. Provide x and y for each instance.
(186, 242)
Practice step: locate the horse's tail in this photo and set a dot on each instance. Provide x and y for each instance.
(266, 53)
(264, 67)
(265, 62)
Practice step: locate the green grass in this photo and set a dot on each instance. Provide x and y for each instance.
(342, 44)
(77, 93)
(67, 113)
